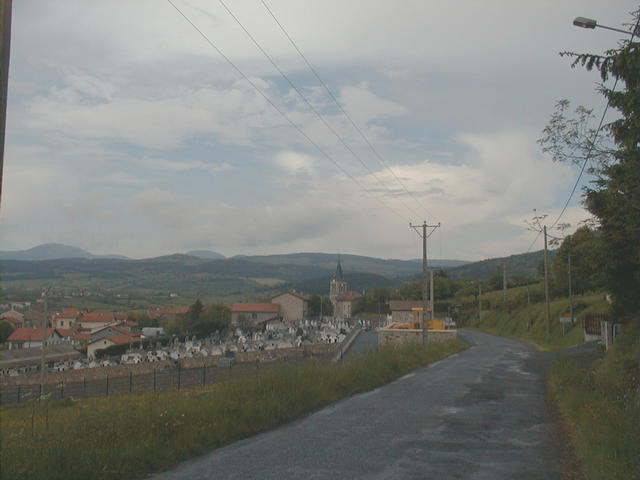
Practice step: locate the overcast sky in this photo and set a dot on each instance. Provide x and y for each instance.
(128, 133)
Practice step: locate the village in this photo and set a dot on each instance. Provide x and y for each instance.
(72, 339)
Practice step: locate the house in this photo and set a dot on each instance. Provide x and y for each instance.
(294, 306)
(26, 337)
(66, 334)
(106, 342)
(402, 311)
(66, 319)
(95, 320)
(148, 332)
(346, 305)
(255, 313)
(109, 331)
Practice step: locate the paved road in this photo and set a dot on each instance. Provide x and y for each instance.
(366, 341)
(479, 414)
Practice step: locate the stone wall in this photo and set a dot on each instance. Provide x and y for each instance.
(395, 336)
(113, 371)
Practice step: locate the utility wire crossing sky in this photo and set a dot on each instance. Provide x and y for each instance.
(307, 127)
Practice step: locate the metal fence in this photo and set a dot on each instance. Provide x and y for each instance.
(166, 379)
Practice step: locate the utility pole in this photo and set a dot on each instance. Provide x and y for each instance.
(44, 339)
(546, 281)
(529, 307)
(479, 300)
(425, 302)
(5, 48)
(570, 289)
(431, 299)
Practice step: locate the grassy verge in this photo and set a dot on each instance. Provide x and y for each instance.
(600, 406)
(133, 435)
(517, 318)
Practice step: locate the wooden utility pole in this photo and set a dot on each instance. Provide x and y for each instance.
(425, 281)
(479, 300)
(5, 48)
(546, 281)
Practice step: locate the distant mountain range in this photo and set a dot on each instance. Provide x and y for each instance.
(51, 251)
(203, 272)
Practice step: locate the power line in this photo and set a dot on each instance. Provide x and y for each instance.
(335, 100)
(291, 122)
(310, 106)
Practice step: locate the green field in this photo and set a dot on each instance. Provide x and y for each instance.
(131, 436)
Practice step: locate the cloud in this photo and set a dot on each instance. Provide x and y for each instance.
(182, 166)
(295, 163)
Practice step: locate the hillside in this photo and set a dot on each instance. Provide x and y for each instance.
(520, 264)
(50, 251)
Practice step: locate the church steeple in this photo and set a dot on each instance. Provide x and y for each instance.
(338, 285)
(338, 275)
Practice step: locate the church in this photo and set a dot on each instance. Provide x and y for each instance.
(345, 302)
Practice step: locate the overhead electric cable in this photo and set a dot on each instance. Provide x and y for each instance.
(353, 123)
(311, 107)
(291, 122)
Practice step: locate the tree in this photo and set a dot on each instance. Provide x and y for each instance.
(614, 196)
(584, 246)
(314, 306)
(214, 318)
(6, 329)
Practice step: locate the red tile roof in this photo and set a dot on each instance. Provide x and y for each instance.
(65, 332)
(295, 294)
(71, 312)
(255, 308)
(26, 334)
(14, 320)
(82, 336)
(96, 317)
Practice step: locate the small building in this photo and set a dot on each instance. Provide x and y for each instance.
(345, 306)
(27, 337)
(149, 332)
(255, 313)
(294, 306)
(106, 342)
(66, 319)
(402, 311)
(109, 331)
(96, 320)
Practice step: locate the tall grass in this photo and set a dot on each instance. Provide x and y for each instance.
(601, 407)
(517, 318)
(133, 435)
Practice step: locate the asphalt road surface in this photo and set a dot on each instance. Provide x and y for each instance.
(479, 414)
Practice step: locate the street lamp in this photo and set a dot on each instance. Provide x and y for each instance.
(591, 23)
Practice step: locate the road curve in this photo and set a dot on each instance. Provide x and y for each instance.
(479, 414)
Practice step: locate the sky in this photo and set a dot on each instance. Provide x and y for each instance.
(129, 133)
